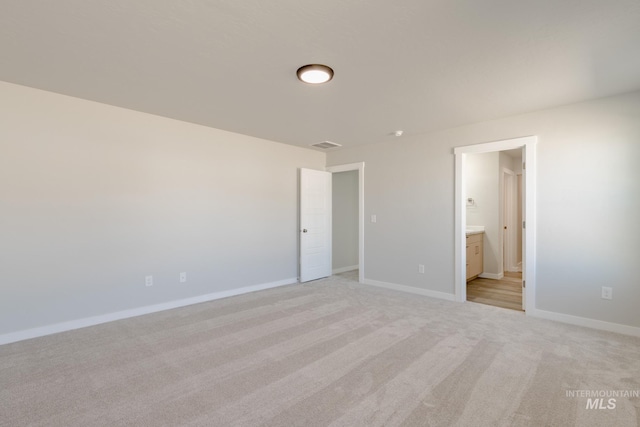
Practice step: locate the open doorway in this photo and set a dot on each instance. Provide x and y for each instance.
(315, 248)
(463, 198)
(348, 218)
(345, 222)
(493, 278)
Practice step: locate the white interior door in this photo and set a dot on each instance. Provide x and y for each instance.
(315, 224)
(509, 221)
(525, 183)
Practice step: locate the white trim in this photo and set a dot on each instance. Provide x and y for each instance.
(134, 312)
(588, 323)
(493, 276)
(529, 234)
(344, 269)
(410, 289)
(360, 168)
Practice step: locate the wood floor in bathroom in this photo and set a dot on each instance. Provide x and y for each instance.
(505, 293)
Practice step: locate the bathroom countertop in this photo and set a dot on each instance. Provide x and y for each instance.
(474, 229)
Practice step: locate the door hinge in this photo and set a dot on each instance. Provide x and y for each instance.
(524, 284)
(524, 165)
(524, 224)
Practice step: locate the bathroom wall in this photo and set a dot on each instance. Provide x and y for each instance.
(483, 186)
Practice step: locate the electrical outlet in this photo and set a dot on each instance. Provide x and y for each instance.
(148, 280)
(421, 268)
(183, 277)
(373, 218)
(607, 292)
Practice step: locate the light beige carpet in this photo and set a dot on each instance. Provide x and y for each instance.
(331, 352)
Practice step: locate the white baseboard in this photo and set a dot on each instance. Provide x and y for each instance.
(491, 276)
(588, 323)
(344, 269)
(119, 315)
(411, 290)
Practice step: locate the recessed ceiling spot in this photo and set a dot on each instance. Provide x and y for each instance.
(398, 133)
(325, 145)
(315, 73)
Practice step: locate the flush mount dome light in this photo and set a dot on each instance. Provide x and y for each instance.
(315, 73)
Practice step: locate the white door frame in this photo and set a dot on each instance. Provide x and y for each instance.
(360, 168)
(529, 232)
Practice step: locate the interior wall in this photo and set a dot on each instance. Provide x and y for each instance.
(93, 198)
(345, 220)
(483, 185)
(588, 199)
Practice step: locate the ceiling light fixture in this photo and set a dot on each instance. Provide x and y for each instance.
(398, 133)
(315, 73)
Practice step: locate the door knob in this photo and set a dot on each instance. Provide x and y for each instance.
(304, 230)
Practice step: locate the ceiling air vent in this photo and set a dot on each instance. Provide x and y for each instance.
(325, 145)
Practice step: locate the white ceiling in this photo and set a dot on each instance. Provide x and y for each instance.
(416, 65)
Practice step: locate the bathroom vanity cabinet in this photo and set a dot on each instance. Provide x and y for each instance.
(474, 255)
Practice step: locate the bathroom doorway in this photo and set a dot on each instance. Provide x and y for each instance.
(493, 278)
(527, 147)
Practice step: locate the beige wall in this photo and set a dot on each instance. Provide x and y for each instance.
(588, 199)
(93, 198)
